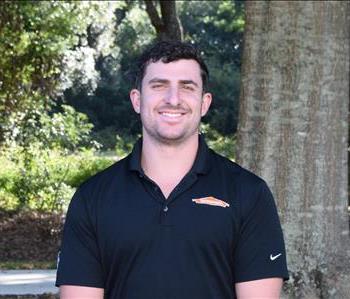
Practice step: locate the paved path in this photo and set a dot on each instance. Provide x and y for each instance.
(25, 282)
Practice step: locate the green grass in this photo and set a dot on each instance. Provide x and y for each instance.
(27, 265)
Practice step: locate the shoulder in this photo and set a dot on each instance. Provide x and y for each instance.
(236, 171)
(101, 182)
(98, 188)
(249, 187)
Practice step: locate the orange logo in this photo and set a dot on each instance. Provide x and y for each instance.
(210, 200)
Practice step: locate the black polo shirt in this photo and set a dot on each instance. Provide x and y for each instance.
(121, 234)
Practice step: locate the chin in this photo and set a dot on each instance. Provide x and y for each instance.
(174, 139)
(171, 139)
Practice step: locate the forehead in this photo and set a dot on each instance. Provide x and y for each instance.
(183, 69)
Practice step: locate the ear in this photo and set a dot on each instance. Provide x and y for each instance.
(135, 98)
(206, 101)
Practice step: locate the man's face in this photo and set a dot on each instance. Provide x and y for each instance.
(171, 102)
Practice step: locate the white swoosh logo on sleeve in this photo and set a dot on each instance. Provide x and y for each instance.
(274, 257)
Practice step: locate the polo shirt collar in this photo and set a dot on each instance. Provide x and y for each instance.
(201, 165)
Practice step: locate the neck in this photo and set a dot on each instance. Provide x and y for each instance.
(166, 163)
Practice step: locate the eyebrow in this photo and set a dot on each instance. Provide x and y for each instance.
(160, 80)
(189, 82)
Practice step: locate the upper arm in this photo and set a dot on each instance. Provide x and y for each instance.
(79, 259)
(260, 251)
(79, 292)
(269, 288)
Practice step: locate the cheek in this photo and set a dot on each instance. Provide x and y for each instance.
(148, 109)
(149, 100)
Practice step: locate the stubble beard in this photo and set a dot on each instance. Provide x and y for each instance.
(163, 139)
(156, 135)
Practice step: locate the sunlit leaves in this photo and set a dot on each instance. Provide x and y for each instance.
(36, 41)
(228, 17)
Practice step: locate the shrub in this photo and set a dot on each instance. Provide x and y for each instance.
(8, 172)
(44, 180)
(40, 184)
(40, 159)
(84, 165)
(124, 144)
(224, 145)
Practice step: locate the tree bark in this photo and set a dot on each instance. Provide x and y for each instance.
(168, 25)
(293, 131)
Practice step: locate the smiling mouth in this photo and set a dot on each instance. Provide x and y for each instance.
(172, 114)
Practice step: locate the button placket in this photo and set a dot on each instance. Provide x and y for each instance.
(182, 187)
(164, 215)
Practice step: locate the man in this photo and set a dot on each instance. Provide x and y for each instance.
(173, 219)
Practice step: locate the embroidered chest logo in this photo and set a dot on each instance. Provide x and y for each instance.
(210, 200)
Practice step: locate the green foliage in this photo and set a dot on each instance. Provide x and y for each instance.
(216, 26)
(125, 144)
(40, 183)
(42, 167)
(34, 36)
(67, 130)
(106, 137)
(84, 165)
(223, 145)
(8, 174)
(45, 179)
(96, 45)
(228, 17)
(27, 265)
(37, 42)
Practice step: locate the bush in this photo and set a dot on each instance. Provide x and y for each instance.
(39, 184)
(223, 145)
(40, 160)
(124, 144)
(8, 173)
(68, 129)
(106, 137)
(44, 180)
(85, 165)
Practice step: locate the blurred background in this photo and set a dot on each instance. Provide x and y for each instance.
(66, 69)
(65, 114)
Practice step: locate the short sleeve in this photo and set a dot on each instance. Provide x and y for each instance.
(260, 251)
(79, 261)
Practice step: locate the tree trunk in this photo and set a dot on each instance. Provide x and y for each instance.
(168, 25)
(293, 131)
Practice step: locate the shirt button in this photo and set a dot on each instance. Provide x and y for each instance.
(165, 209)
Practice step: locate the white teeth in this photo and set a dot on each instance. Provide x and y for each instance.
(171, 114)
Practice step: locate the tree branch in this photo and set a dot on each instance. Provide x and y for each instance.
(154, 16)
(172, 24)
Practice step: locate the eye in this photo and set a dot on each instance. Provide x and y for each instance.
(157, 86)
(188, 87)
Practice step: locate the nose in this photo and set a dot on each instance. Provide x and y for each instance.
(172, 97)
